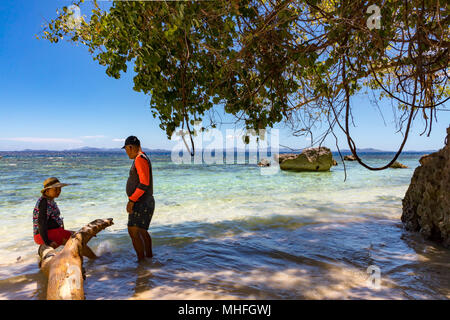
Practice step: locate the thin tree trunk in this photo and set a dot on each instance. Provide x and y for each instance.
(64, 269)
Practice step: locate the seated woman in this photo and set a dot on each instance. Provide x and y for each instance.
(48, 226)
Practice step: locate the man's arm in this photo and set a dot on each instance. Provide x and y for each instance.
(143, 171)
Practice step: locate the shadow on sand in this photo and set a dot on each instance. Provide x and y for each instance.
(277, 257)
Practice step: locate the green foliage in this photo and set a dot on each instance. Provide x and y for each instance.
(264, 60)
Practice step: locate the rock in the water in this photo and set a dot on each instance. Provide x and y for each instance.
(335, 163)
(397, 165)
(426, 206)
(311, 159)
(264, 163)
(350, 158)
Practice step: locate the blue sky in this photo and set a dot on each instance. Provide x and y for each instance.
(54, 96)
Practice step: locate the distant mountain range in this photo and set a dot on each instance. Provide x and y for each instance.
(281, 150)
(371, 150)
(90, 149)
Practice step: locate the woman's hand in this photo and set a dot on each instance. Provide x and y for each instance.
(130, 206)
(54, 245)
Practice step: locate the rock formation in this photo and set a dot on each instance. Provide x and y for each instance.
(350, 158)
(397, 165)
(426, 206)
(311, 159)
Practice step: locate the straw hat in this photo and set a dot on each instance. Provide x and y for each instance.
(53, 183)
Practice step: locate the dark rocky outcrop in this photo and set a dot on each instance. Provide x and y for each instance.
(398, 165)
(311, 159)
(426, 206)
(350, 158)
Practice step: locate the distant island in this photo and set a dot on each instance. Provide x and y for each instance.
(165, 151)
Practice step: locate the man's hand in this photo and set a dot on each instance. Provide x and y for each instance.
(130, 206)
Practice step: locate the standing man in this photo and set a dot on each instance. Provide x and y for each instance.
(141, 203)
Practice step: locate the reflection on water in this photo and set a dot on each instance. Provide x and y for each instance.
(215, 236)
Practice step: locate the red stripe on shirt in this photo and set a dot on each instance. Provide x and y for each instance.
(143, 171)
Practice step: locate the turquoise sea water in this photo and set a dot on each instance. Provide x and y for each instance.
(226, 231)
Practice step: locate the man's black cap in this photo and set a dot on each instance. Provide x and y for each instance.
(132, 140)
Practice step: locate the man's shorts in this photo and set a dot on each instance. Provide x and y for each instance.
(142, 214)
(58, 235)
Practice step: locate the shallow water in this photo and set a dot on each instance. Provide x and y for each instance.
(226, 231)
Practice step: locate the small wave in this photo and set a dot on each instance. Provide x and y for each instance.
(104, 247)
(89, 204)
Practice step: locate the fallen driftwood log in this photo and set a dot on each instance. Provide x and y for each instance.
(64, 269)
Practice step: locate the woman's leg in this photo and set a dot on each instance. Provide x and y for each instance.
(87, 252)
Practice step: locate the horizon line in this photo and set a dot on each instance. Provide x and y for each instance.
(98, 149)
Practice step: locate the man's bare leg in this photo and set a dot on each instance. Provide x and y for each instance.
(147, 243)
(138, 243)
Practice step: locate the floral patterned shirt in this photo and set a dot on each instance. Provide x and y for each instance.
(53, 213)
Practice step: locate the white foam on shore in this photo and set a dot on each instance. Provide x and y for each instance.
(104, 247)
